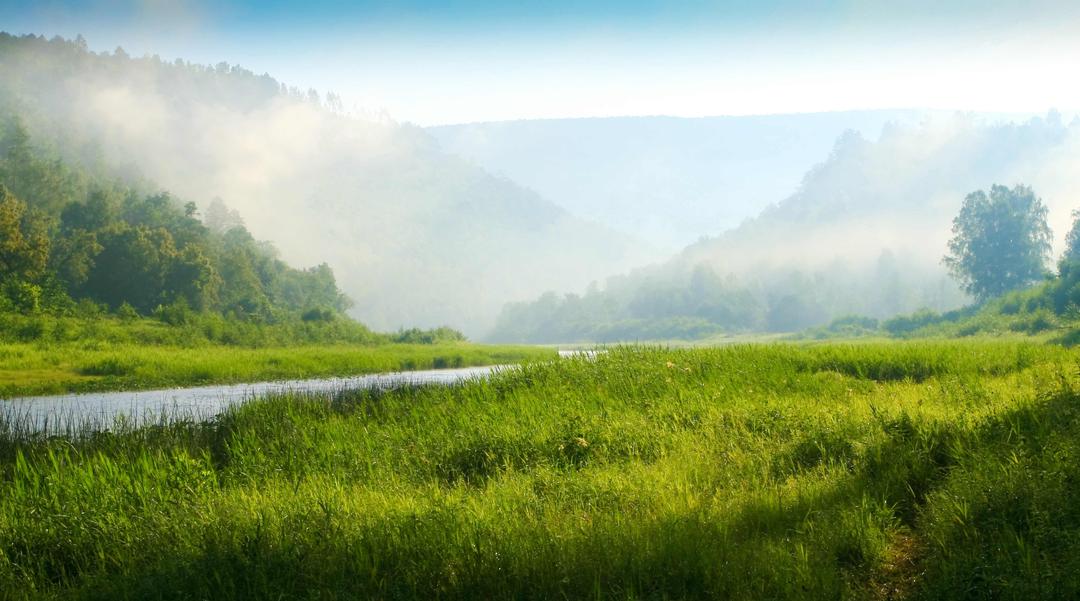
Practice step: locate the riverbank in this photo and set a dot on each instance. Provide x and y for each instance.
(95, 412)
(928, 470)
(91, 366)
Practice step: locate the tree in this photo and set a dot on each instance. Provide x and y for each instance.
(1000, 241)
(132, 267)
(24, 251)
(43, 182)
(1072, 241)
(24, 240)
(191, 276)
(220, 218)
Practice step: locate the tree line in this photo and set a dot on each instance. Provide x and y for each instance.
(1001, 242)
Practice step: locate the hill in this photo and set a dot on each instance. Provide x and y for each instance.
(863, 233)
(415, 235)
(666, 180)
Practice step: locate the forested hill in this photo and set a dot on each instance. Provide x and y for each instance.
(416, 236)
(864, 233)
(69, 235)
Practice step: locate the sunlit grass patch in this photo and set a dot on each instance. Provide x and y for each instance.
(28, 369)
(941, 470)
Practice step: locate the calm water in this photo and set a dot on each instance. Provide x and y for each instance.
(56, 413)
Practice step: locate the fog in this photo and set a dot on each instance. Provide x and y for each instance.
(666, 180)
(864, 232)
(417, 237)
(900, 193)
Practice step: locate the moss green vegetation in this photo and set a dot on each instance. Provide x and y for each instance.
(1048, 311)
(27, 369)
(48, 354)
(899, 470)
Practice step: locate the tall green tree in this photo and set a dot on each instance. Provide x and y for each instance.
(1000, 241)
(1072, 240)
(24, 251)
(132, 267)
(46, 184)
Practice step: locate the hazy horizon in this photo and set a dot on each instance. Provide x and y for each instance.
(478, 299)
(568, 60)
(557, 148)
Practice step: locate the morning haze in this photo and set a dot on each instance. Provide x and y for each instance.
(484, 300)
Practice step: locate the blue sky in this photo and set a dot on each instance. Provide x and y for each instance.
(458, 61)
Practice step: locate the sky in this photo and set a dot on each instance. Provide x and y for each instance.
(460, 61)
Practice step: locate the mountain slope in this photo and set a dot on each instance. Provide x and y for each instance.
(864, 233)
(416, 236)
(666, 180)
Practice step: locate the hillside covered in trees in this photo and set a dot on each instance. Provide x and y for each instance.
(864, 234)
(414, 235)
(70, 235)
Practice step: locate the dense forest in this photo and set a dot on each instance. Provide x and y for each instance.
(69, 236)
(87, 256)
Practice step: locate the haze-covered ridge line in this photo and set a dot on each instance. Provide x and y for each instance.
(864, 233)
(669, 180)
(416, 236)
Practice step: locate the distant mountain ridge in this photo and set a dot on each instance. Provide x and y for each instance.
(666, 180)
(863, 233)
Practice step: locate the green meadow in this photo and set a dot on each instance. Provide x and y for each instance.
(900, 470)
(31, 369)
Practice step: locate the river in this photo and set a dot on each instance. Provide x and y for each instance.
(59, 413)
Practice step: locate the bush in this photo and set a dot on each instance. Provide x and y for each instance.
(906, 324)
(848, 326)
(319, 314)
(432, 336)
(126, 312)
(174, 314)
(23, 296)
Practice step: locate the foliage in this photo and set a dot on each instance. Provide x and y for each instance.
(1000, 242)
(671, 302)
(1072, 240)
(432, 336)
(24, 252)
(72, 234)
(848, 326)
(902, 325)
(409, 228)
(911, 470)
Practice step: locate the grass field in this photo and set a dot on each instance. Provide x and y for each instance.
(50, 368)
(929, 470)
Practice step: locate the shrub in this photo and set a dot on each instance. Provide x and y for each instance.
(906, 324)
(126, 312)
(319, 314)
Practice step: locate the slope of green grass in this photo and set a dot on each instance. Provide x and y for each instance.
(870, 471)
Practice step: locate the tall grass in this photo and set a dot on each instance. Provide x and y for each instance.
(921, 470)
(29, 369)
